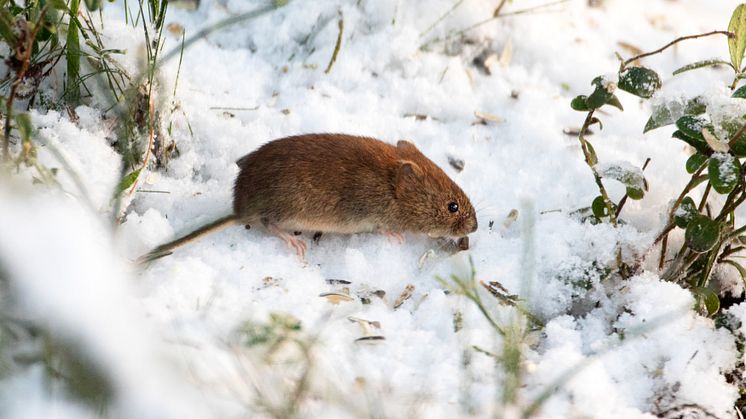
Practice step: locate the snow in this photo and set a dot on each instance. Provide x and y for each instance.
(169, 335)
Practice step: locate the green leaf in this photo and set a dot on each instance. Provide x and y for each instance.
(602, 94)
(599, 207)
(578, 103)
(662, 114)
(700, 64)
(737, 44)
(724, 172)
(634, 193)
(692, 126)
(614, 101)
(127, 181)
(702, 233)
(93, 5)
(740, 93)
(628, 175)
(23, 123)
(686, 211)
(72, 55)
(707, 297)
(699, 145)
(639, 81)
(694, 162)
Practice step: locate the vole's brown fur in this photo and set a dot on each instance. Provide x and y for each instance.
(340, 183)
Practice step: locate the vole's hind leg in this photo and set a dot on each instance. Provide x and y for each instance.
(289, 239)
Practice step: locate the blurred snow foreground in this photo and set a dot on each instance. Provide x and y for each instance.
(234, 326)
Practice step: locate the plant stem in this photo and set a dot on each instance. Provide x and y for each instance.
(675, 41)
(591, 165)
(490, 19)
(737, 135)
(662, 259)
(704, 197)
(676, 205)
(443, 16)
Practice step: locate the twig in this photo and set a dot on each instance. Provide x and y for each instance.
(490, 19)
(151, 117)
(499, 8)
(736, 136)
(596, 176)
(443, 16)
(662, 259)
(675, 41)
(676, 205)
(338, 44)
(704, 197)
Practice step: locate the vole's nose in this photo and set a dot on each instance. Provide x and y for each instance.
(473, 229)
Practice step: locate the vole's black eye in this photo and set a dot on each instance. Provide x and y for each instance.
(452, 207)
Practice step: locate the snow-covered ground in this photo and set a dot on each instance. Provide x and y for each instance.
(170, 336)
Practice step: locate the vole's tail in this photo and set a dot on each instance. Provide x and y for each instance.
(167, 248)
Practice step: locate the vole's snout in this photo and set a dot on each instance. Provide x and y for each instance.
(474, 228)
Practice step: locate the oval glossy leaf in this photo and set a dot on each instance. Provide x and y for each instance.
(685, 212)
(700, 145)
(702, 233)
(739, 147)
(708, 298)
(663, 115)
(599, 207)
(602, 94)
(578, 103)
(695, 162)
(724, 171)
(627, 174)
(740, 93)
(614, 101)
(737, 44)
(692, 126)
(639, 81)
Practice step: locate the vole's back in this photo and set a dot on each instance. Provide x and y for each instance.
(325, 182)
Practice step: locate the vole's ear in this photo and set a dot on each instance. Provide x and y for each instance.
(408, 169)
(405, 148)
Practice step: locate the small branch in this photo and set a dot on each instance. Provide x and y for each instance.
(151, 123)
(499, 8)
(490, 19)
(338, 45)
(736, 136)
(670, 225)
(596, 176)
(703, 202)
(675, 41)
(662, 259)
(443, 16)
